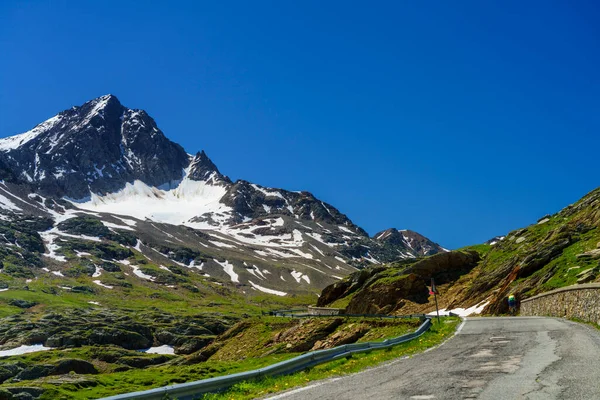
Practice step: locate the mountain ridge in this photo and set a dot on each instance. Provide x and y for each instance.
(120, 181)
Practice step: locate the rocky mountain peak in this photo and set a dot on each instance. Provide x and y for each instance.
(203, 169)
(414, 242)
(97, 147)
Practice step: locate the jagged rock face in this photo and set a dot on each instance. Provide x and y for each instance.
(445, 266)
(203, 169)
(387, 297)
(97, 148)
(252, 201)
(346, 287)
(378, 290)
(413, 242)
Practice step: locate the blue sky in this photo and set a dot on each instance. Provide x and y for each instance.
(459, 120)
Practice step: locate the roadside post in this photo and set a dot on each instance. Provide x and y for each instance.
(433, 291)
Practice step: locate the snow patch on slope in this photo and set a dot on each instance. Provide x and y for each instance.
(176, 206)
(228, 268)
(24, 349)
(265, 290)
(13, 142)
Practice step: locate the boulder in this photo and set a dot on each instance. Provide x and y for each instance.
(166, 337)
(144, 361)
(350, 334)
(25, 392)
(22, 303)
(202, 355)
(35, 336)
(126, 339)
(83, 289)
(587, 276)
(10, 370)
(303, 336)
(110, 267)
(592, 254)
(66, 339)
(74, 365)
(191, 345)
(34, 372)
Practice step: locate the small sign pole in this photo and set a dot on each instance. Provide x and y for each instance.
(434, 291)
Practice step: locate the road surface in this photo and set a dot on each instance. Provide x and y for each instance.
(488, 359)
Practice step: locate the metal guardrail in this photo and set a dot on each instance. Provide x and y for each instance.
(304, 314)
(190, 390)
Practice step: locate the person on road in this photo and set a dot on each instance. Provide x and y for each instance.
(512, 304)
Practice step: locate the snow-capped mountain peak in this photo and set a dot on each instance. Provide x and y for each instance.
(414, 244)
(16, 141)
(126, 183)
(94, 148)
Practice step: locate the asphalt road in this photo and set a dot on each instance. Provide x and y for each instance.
(488, 359)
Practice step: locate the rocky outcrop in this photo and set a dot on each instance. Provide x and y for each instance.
(303, 336)
(349, 334)
(384, 290)
(20, 371)
(388, 295)
(445, 266)
(79, 328)
(588, 275)
(347, 286)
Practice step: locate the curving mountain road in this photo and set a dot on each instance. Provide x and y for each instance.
(488, 359)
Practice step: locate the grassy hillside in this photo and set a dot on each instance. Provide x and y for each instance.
(99, 371)
(558, 250)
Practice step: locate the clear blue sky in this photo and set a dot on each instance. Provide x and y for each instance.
(461, 120)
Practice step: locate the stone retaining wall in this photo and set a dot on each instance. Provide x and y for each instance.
(577, 301)
(325, 311)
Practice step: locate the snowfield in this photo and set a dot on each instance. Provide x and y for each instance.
(164, 349)
(464, 312)
(175, 206)
(24, 349)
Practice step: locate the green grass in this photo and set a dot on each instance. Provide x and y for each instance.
(142, 379)
(253, 389)
(342, 303)
(389, 280)
(581, 321)
(482, 249)
(390, 331)
(141, 295)
(248, 349)
(252, 345)
(563, 268)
